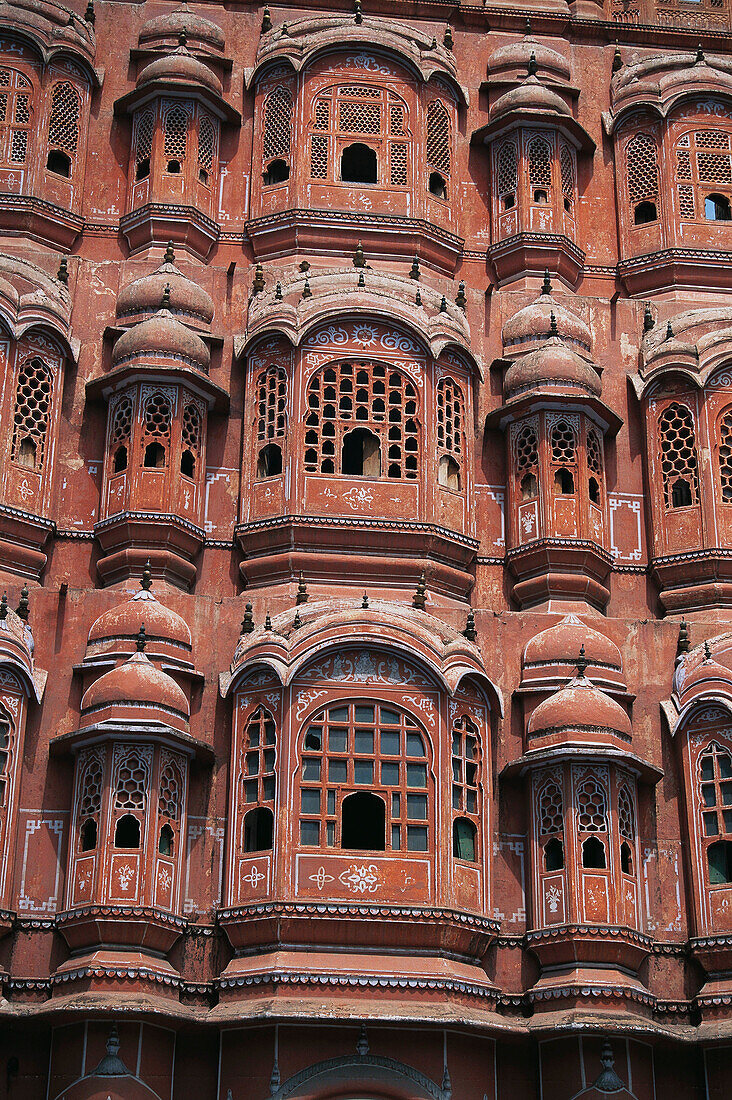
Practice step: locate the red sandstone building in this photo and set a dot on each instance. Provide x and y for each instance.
(366, 542)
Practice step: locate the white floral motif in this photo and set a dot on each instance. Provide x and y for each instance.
(125, 874)
(304, 699)
(164, 878)
(358, 497)
(553, 897)
(360, 880)
(320, 878)
(254, 877)
(425, 706)
(527, 522)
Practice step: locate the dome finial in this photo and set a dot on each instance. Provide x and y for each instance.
(297, 621)
(258, 284)
(302, 590)
(4, 606)
(146, 578)
(447, 40)
(165, 300)
(278, 292)
(682, 646)
(669, 331)
(365, 601)
(182, 39)
(418, 298)
(267, 622)
(546, 285)
(89, 14)
(617, 58)
(581, 662)
(469, 631)
(533, 66)
(111, 1064)
(306, 291)
(528, 26)
(443, 304)
(419, 599)
(361, 279)
(359, 260)
(24, 604)
(63, 271)
(357, 12)
(699, 55)
(707, 650)
(247, 623)
(141, 639)
(553, 330)
(460, 299)
(648, 321)
(169, 257)
(414, 270)
(266, 20)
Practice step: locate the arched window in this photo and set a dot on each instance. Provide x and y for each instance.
(277, 135)
(466, 781)
(271, 420)
(376, 120)
(507, 174)
(564, 457)
(33, 396)
(449, 432)
(704, 175)
(63, 128)
(540, 170)
(156, 431)
(143, 143)
(6, 745)
(207, 142)
(257, 780)
(678, 457)
(438, 148)
(526, 450)
(175, 137)
(626, 829)
(131, 785)
(190, 440)
(641, 159)
(127, 832)
(592, 818)
(368, 398)
(594, 466)
(725, 457)
(16, 109)
(550, 808)
(567, 174)
(119, 435)
(90, 798)
(365, 748)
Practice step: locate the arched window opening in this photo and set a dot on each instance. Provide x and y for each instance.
(175, 145)
(540, 169)
(144, 131)
(449, 473)
(438, 148)
(271, 404)
(507, 174)
(449, 432)
(591, 806)
(361, 454)
(725, 457)
(277, 136)
(567, 174)
(190, 440)
(127, 832)
(63, 127)
(526, 458)
(166, 841)
(142, 169)
(16, 117)
(59, 163)
(464, 839)
(644, 213)
(593, 854)
(27, 453)
(188, 464)
(717, 208)
(715, 768)
(154, 456)
(371, 748)
(269, 461)
(678, 456)
(258, 829)
(32, 410)
(120, 433)
(207, 142)
(719, 862)
(541, 196)
(437, 186)
(554, 855)
(277, 171)
(5, 736)
(88, 835)
(359, 164)
(529, 487)
(641, 157)
(120, 459)
(594, 465)
(563, 482)
(626, 858)
(593, 490)
(156, 427)
(363, 822)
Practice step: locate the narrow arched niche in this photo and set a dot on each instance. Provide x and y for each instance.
(363, 822)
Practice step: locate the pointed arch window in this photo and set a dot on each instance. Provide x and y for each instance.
(6, 750)
(526, 450)
(257, 781)
(91, 787)
(466, 784)
(359, 133)
(271, 420)
(119, 434)
(592, 819)
(277, 135)
(143, 143)
(724, 456)
(171, 785)
(190, 440)
(33, 395)
(703, 164)
(540, 170)
(641, 161)
(63, 128)
(715, 800)
(156, 431)
(550, 807)
(594, 466)
(439, 157)
(175, 137)
(679, 464)
(449, 433)
(567, 175)
(507, 174)
(563, 441)
(16, 117)
(207, 148)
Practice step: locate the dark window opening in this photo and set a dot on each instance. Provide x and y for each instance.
(313, 740)
(269, 461)
(541, 196)
(680, 494)
(363, 822)
(437, 186)
(568, 206)
(593, 853)
(626, 858)
(155, 456)
(448, 473)
(59, 163)
(593, 489)
(358, 164)
(166, 841)
(203, 176)
(278, 171)
(26, 455)
(645, 212)
(120, 459)
(89, 835)
(174, 168)
(563, 482)
(361, 454)
(553, 854)
(258, 830)
(719, 858)
(142, 170)
(127, 832)
(717, 208)
(187, 463)
(509, 201)
(529, 487)
(464, 836)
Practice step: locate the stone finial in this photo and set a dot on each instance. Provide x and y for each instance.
(617, 59)
(146, 578)
(357, 12)
(533, 66)
(4, 606)
(306, 291)
(469, 631)
(669, 331)
(682, 646)
(362, 1043)
(305, 266)
(169, 257)
(247, 623)
(183, 39)
(419, 599)
(418, 298)
(433, 44)
(111, 1064)
(527, 27)
(165, 300)
(266, 20)
(359, 260)
(267, 622)
(581, 662)
(24, 604)
(460, 299)
(302, 591)
(365, 601)
(699, 55)
(297, 621)
(361, 279)
(278, 292)
(89, 14)
(258, 284)
(446, 1085)
(141, 639)
(63, 271)
(546, 283)
(648, 321)
(274, 1078)
(608, 1081)
(553, 330)
(443, 304)
(414, 270)
(447, 40)
(707, 648)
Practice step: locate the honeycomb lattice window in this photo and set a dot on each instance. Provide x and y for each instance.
(271, 404)
(449, 417)
(551, 809)
(438, 137)
(398, 153)
(715, 788)
(507, 168)
(591, 806)
(257, 760)
(725, 457)
(465, 766)
(319, 156)
(144, 130)
(170, 791)
(32, 410)
(563, 444)
(396, 118)
(527, 449)
(678, 456)
(206, 146)
(277, 123)
(540, 163)
(359, 118)
(322, 114)
(15, 117)
(132, 783)
(121, 422)
(157, 417)
(63, 127)
(175, 130)
(191, 429)
(594, 453)
(703, 165)
(368, 404)
(92, 784)
(641, 158)
(626, 814)
(360, 111)
(566, 171)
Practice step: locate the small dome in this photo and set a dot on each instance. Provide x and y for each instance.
(529, 96)
(579, 706)
(554, 366)
(135, 682)
(562, 642)
(161, 336)
(534, 322)
(699, 679)
(180, 68)
(187, 299)
(144, 609)
(516, 56)
(198, 31)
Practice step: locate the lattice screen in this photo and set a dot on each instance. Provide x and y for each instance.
(277, 123)
(678, 451)
(438, 137)
(641, 158)
(32, 408)
(63, 127)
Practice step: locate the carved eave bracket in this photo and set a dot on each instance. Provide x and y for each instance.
(699, 344)
(301, 42)
(55, 30)
(658, 84)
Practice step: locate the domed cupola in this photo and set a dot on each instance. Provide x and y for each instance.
(531, 98)
(545, 318)
(510, 63)
(579, 714)
(136, 691)
(187, 300)
(551, 655)
(161, 337)
(180, 69)
(551, 368)
(698, 675)
(163, 32)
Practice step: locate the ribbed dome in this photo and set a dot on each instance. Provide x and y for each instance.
(518, 54)
(187, 298)
(579, 706)
(700, 678)
(161, 336)
(180, 68)
(561, 643)
(530, 96)
(553, 365)
(125, 620)
(182, 20)
(136, 681)
(534, 322)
